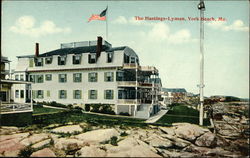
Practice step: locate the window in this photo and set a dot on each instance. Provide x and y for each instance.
(92, 94)
(39, 61)
(92, 58)
(48, 60)
(132, 60)
(76, 59)
(48, 77)
(62, 78)
(39, 94)
(93, 77)
(31, 62)
(77, 77)
(61, 60)
(16, 77)
(32, 79)
(39, 78)
(109, 76)
(77, 94)
(62, 94)
(21, 93)
(119, 76)
(109, 57)
(108, 94)
(17, 94)
(22, 77)
(48, 93)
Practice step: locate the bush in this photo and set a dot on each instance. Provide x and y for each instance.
(113, 141)
(26, 152)
(87, 107)
(124, 113)
(123, 134)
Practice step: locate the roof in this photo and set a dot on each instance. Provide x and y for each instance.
(77, 50)
(174, 90)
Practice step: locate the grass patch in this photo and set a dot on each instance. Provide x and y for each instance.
(42, 110)
(182, 113)
(76, 116)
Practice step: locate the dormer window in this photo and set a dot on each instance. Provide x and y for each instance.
(109, 57)
(48, 60)
(39, 61)
(92, 58)
(62, 60)
(76, 59)
(132, 60)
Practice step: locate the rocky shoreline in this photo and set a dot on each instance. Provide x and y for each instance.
(81, 140)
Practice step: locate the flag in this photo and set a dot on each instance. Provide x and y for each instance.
(101, 16)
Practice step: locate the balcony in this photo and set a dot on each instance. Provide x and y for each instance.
(126, 83)
(130, 66)
(129, 101)
(149, 68)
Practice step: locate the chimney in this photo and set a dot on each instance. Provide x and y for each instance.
(37, 50)
(98, 46)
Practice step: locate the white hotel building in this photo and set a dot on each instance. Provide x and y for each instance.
(90, 72)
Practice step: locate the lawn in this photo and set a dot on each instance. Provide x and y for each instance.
(37, 110)
(182, 113)
(77, 116)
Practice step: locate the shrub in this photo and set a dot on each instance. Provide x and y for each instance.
(87, 107)
(70, 106)
(124, 114)
(123, 134)
(26, 152)
(113, 141)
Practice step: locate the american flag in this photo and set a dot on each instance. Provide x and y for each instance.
(101, 17)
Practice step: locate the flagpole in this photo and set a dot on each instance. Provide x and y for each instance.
(107, 24)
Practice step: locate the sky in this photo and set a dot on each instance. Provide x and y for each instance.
(171, 46)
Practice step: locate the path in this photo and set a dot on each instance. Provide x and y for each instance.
(53, 107)
(156, 117)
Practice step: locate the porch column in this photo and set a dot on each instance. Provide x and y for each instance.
(9, 95)
(31, 99)
(9, 71)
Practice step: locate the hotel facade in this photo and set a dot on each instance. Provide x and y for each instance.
(87, 73)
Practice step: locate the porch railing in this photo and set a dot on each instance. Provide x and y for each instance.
(15, 107)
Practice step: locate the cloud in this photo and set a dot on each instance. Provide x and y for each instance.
(237, 25)
(120, 20)
(26, 25)
(158, 31)
(162, 32)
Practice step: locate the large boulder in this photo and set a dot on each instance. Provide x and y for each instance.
(167, 130)
(90, 151)
(177, 141)
(34, 139)
(69, 144)
(41, 144)
(208, 140)
(189, 131)
(14, 136)
(130, 147)
(97, 136)
(46, 152)
(11, 146)
(8, 130)
(67, 129)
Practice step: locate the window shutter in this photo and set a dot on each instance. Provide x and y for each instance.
(33, 94)
(80, 94)
(112, 76)
(105, 94)
(105, 76)
(89, 93)
(65, 94)
(96, 94)
(96, 76)
(112, 94)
